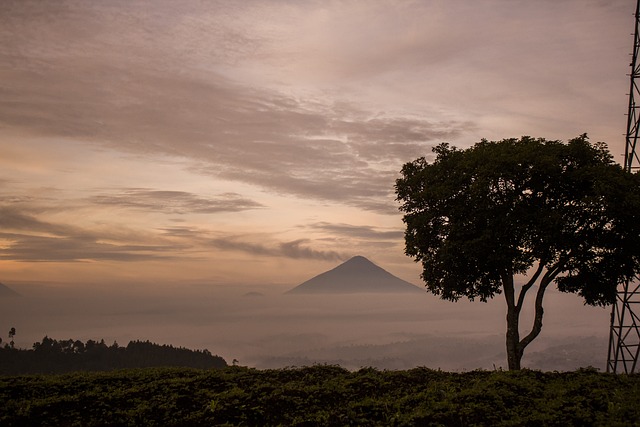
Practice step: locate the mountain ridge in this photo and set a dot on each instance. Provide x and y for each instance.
(6, 291)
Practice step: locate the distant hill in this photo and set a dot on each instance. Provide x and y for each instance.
(253, 294)
(353, 276)
(6, 291)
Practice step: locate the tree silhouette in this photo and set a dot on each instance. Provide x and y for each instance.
(12, 333)
(59, 356)
(541, 211)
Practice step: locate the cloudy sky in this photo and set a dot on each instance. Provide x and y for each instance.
(257, 141)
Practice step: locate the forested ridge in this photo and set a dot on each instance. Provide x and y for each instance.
(321, 395)
(60, 356)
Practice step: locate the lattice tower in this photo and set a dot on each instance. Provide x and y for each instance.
(624, 336)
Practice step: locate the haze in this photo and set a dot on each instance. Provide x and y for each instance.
(275, 330)
(160, 159)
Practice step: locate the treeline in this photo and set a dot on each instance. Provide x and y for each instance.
(54, 356)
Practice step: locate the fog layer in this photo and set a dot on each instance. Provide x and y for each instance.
(262, 327)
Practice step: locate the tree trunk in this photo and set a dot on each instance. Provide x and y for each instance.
(515, 346)
(514, 354)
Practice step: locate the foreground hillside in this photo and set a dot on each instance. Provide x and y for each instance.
(320, 396)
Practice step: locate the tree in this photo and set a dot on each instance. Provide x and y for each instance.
(12, 334)
(514, 215)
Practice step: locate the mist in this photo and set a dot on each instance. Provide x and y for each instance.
(262, 327)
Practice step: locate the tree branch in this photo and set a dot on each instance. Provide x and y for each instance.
(507, 284)
(529, 284)
(539, 310)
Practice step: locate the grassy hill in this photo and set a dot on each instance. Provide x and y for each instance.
(321, 395)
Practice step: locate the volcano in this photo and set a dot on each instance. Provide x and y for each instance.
(355, 276)
(6, 291)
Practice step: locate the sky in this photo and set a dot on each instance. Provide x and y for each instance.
(232, 143)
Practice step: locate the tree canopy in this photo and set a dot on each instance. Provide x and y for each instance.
(549, 211)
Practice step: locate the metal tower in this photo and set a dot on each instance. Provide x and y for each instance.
(624, 336)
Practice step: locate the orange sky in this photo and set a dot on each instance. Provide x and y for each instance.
(258, 142)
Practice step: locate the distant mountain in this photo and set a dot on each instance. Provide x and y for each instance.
(253, 294)
(353, 276)
(6, 291)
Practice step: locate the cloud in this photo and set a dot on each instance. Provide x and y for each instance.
(182, 232)
(235, 133)
(360, 238)
(130, 88)
(296, 249)
(30, 248)
(26, 238)
(262, 245)
(174, 202)
(358, 232)
(12, 218)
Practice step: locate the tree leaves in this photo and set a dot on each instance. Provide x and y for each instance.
(501, 207)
